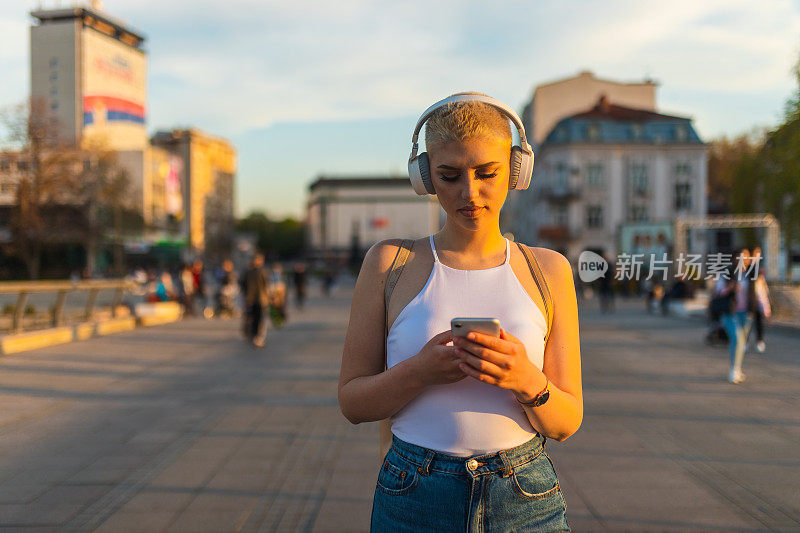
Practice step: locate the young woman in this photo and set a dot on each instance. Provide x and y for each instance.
(469, 416)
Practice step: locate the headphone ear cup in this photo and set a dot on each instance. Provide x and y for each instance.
(420, 175)
(521, 169)
(425, 172)
(515, 167)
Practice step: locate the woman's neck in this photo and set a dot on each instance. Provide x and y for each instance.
(478, 244)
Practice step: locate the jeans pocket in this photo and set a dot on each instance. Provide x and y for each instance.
(397, 475)
(536, 479)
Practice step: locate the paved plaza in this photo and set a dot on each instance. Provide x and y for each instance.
(184, 427)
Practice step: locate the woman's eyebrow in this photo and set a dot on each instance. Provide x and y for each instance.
(482, 165)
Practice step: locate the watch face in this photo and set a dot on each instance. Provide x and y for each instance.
(543, 398)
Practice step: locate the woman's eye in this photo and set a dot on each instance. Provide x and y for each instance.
(487, 176)
(445, 177)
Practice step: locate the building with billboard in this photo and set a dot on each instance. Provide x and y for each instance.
(92, 71)
(343, 214)
(198, 186)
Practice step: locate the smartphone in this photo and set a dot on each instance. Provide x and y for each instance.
(462, 326)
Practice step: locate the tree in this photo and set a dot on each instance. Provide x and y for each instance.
(284, 239)
(101, 192)
(45, 165)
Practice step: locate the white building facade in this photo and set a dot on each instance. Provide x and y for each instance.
(606, 169)
(343, 213)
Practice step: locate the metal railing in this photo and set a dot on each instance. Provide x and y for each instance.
(61, 289)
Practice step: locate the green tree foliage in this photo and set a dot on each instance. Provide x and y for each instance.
(282, 239)
(779, 162)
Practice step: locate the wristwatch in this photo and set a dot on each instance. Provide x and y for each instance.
(540, 398)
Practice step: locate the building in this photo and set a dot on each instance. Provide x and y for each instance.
(607, 170)
(347, 214)
(92, 71)
(555, 100)
(203, 169)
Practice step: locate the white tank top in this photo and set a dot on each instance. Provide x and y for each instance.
(468, 417)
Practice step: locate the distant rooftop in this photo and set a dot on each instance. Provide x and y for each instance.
(610, 123)
(366, 181)
(95, 19)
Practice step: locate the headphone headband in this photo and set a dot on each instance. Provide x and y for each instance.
(497, 104)
(520, 165)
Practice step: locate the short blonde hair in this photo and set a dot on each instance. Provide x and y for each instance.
(459, 121)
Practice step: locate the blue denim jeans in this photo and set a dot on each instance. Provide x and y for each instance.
(420, 489)
(737, 326)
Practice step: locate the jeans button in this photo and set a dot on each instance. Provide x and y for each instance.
(472, 464)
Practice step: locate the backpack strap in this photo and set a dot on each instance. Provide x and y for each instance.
(541, 284)
(394, 274)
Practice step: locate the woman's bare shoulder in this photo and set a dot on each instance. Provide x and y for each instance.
(379, 258)
(556, 267)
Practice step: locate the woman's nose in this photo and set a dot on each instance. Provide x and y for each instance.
(471, 188)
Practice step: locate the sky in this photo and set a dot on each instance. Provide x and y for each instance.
(311, 88)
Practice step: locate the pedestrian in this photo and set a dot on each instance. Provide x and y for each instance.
(299, 279)
(256, 295)
(763, 310)
(606, 291)
(187, 289)
(469, 417)
(199, 295)
(737, 318)
(227, 290)
(278, 297)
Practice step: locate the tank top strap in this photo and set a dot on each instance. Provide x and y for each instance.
(508, 252)
(433, 249)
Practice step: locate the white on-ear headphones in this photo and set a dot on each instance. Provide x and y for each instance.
(521, 156)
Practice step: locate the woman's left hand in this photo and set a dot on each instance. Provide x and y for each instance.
(502, 362)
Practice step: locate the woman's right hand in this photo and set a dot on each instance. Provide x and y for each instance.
(437, 364)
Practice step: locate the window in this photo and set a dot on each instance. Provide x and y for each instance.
(22, 165)
(683, 168)
(54, 76)
(594, 216)
(636, 131)
(593, 132)
(53, 62)
(5, 165)
(561, 176)
(680, 133)
(683, 196)
(594, 175)
(639, 179)
(562, 216)
(639, 213)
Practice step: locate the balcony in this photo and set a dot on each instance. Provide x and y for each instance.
(560, 194)
(556, 233)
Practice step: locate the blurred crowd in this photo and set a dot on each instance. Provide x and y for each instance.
(258, 294)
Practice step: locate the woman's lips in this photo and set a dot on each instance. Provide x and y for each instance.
(470, 212)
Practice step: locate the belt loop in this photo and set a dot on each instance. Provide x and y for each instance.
(425, 468)
(507, 469)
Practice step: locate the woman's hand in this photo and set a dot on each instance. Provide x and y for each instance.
(438, 364)
(502, 362)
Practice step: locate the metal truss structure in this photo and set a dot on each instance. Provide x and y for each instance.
(752, 220)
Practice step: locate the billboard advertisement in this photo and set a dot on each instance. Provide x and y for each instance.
(114, 91)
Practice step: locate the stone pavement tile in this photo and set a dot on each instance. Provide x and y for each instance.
(668, 506)
(159, 500)
(36, 514)
(194, 466)
(214, 513)
(76, 495)
(343, 516)
(136, 522)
